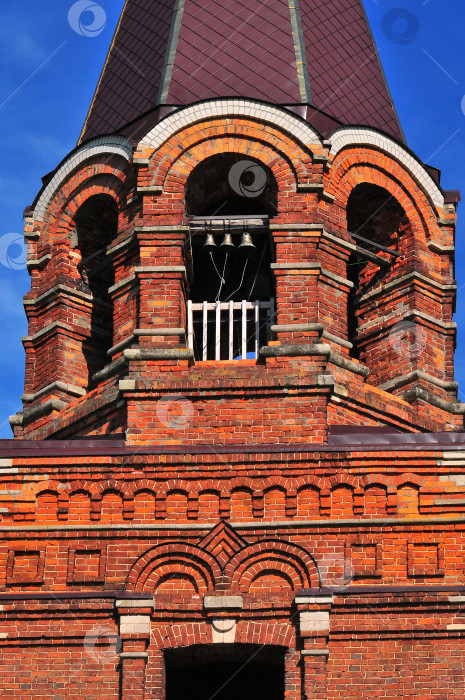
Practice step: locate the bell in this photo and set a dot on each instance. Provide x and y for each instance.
(226, 243)
(209, 245)
(246, 246)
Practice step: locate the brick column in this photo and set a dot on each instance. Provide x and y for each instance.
(134, 632)
(314, 615)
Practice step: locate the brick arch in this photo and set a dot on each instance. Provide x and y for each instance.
(243, 482)
(274, 555)
(123, 488)
(318, 482)
(183, 634)
(287, 167)
(194, 116)
(276, 481)
(353, 167)
(265, 633)
(175, 485)
(376, 480)
(410, 479)
(94, 177)
(183, 558)
(34, 490)
(351, 482)
(171, 165)
(81, 485)
(210, 485)
(354, 137)
(103, 148)
(145, 485)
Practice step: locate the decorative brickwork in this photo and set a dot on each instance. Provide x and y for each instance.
(297, 509)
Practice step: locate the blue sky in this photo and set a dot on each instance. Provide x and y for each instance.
(50, 65)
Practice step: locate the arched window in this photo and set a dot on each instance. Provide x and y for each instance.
(378, 225)
(96, 223)
(229, 200)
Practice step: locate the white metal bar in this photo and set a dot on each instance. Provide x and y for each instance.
(231, 330)
(263, 312)
(257, 326)
(236, 305)
(244, 329)
(204, 330)
(190, 326)
(217, 332)
(270, 319)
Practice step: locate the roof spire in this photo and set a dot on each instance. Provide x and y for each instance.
(288, 52)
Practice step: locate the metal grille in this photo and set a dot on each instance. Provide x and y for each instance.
(233, 330)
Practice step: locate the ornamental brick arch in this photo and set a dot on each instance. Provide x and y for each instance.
(274, 556)
(347, 480)
(369, 480)
(145, 485)
(177, 559)
(81, 486)
(352, 167)
(410, 478)
(174, 185)
(97, 150)
(112, 177)
(124, 488)
(318, 482)
(174, 485)
(240, 135)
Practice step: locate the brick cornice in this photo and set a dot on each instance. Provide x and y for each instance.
(410, 277)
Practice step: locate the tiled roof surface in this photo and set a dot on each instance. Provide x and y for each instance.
(130, 79)
(241, 48)
(346, 78)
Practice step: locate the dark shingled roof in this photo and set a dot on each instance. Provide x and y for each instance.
(175, 52)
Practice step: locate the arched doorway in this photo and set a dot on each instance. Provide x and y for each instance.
(225, 672)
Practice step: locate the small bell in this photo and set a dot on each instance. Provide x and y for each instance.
(246, 246)
(209, 245)
(226, 243)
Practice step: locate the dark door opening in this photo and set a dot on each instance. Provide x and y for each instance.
(229, 672)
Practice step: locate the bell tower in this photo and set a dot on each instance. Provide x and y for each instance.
(233, 205)
(240, 440)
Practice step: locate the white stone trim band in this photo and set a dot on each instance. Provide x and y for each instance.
(278, 116)
(349, 135)
(119, 145)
